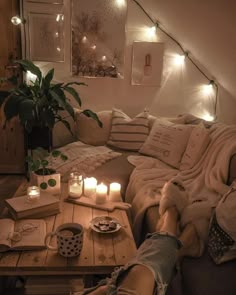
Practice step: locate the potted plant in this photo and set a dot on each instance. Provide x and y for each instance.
(39, 103)
(41, 173)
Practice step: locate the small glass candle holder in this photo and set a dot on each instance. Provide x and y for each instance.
(75, 185)
(33, 194)
(90, 184)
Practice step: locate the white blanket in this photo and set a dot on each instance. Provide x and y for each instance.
(205, 181)
(85, 158)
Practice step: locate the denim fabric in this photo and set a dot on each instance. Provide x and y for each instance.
(158, 253)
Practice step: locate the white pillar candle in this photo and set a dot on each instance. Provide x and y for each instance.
(114, 194)
(90, 184)
(101, 193)
(33, 193)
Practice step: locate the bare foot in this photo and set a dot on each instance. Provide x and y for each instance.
(191, 242)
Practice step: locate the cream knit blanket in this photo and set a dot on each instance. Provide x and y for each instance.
(82, 157)
(205, 181)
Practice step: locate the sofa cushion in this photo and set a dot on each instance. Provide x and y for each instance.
(126, 133)
(197, 144)
(88, 131)
(167, 142)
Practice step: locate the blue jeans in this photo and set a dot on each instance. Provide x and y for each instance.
(158, 253)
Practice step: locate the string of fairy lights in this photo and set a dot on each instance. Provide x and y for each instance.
(210, 88)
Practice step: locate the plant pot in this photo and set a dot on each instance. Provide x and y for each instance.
(52, 181)
(39, 137)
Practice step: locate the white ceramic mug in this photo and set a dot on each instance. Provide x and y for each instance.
(69, 239)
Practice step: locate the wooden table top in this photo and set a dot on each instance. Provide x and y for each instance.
(100, 252)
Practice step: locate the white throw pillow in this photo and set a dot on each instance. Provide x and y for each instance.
(127, 133)
(88, 131)
(197, 144)
(167, 141)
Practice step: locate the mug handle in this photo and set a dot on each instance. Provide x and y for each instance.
(46, 241)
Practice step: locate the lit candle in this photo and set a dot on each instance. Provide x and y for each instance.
(75, 185)
(90, 184)
(101, 193)
(33, 193)
(114, 194)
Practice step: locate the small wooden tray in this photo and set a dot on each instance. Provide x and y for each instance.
(108, 206)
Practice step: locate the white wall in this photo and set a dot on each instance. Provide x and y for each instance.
(204, 27)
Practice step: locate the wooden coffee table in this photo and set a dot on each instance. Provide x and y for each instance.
(100, 253)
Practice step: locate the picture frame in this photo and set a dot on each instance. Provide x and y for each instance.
(98, 38)
(47, 1)
(46, 37)
(147, 63)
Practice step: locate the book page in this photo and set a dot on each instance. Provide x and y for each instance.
(32, 234)
(6, 226)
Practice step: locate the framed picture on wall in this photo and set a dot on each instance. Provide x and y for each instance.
(47, 1)
(98, 38)
(46, 37)
(147, 63)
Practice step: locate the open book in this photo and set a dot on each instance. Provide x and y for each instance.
(25, 234)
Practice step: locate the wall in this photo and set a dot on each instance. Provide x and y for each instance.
(193, 23)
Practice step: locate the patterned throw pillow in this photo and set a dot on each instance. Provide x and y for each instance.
(220, 243)
(197, 144)
(167, 142)
(126, 133)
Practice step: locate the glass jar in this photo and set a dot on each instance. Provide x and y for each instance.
(75, 185)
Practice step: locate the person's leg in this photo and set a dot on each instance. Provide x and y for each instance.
(139, 279)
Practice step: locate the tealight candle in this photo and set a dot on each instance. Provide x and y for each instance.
(114, 194)
(33, 193)
(90, 184)
(75, 185)
(101, 193)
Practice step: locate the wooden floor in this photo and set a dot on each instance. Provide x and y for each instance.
(8, 186)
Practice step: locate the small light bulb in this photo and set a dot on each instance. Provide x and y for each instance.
(94, 47)
(179, 59)
(84, 39)
(120, 2)
(208, 89)
(58, 17)
(58, 49)
(208, 117)
(104, 58)
(151, 31)
(16, 20)
(57, 34)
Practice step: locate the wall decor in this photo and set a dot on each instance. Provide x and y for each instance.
(147, 63)
(46, 37)
(47, 1)
(98, 38)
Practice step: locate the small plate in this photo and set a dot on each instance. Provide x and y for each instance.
(105, 224)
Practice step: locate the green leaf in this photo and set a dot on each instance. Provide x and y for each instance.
(48, 78)
(44, 163)
(56, 153)
(47, 118)
(74, 93)
(11, 107)
(26, 110)
(62, 102)
(67, 125)
(75, 83)
(43, 185)
(52, 182)
(34, 165)
(29, 66)
(92, 115)
(64, 157)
